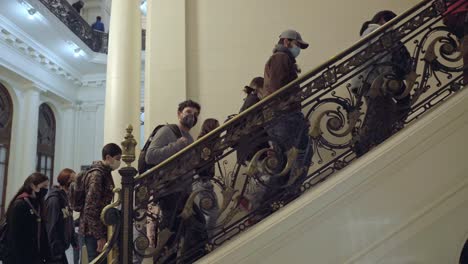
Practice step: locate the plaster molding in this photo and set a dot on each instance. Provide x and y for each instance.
(89, 106)
(59, 26)
(24, 45)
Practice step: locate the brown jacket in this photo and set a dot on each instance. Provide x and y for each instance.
(280, 70)
(98, 186)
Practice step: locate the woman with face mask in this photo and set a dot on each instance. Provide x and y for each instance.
(25, 225)
(59, 224)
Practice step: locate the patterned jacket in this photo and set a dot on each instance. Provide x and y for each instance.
(98, 185)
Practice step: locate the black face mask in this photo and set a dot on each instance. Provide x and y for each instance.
(189, 121)
(41, 194)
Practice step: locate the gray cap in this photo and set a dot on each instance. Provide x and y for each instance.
(293, 34)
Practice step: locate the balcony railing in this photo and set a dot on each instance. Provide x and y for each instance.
(97, 41)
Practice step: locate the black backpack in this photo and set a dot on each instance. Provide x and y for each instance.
(402, 61)
(142, 165)
(78, 190)
(3, 239)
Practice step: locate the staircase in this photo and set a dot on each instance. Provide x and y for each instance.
(404, 201)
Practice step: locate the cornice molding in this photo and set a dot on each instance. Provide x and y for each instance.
(24, 45)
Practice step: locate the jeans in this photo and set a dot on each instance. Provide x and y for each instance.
(91, 246)
(289, 130)
(77, 249)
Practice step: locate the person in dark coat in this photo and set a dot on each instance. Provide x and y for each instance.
(25, 223)
(251, 92)
(246, 148)
(59, 224)
(78, 5)
(382, 111)
(98, 25)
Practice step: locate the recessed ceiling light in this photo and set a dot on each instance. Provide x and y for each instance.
(32, 11)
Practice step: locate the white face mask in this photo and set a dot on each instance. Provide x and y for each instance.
(115, 164)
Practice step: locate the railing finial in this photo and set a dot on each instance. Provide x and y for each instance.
(128, 146)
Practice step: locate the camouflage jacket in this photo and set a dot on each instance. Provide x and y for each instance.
(98, 187)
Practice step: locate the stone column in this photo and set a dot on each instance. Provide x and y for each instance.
(67, 138)
(165, 62)
(29, 136)
(122, 104)
(24, 139)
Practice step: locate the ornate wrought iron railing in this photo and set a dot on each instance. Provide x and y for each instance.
(97, 41)
(348, 102)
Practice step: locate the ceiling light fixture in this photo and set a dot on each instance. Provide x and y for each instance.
(77, 52)
(32, 11)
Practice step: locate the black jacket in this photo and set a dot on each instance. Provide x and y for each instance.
(59, 223)
(249, 100)
(23, 233)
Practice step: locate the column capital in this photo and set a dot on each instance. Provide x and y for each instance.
(88, 106)
(31, 87)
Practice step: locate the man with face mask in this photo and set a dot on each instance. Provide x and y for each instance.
(290, 129)
(281, 67)
(165, 143)
(98, 188)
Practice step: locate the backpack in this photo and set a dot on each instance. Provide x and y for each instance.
(78, 190)
(3, 239)
(142, 165)
(402, 61)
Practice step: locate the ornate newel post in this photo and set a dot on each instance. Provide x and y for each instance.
(128, 173)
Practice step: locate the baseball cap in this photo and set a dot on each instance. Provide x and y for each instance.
(292, 34)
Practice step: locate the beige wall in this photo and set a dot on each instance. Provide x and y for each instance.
(228, 42)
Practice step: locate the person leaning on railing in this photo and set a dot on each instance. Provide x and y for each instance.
(164, 144)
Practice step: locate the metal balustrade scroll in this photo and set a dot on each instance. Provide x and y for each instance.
(97, 41)
(334, 97)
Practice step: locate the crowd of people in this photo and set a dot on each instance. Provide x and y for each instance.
(39, 221)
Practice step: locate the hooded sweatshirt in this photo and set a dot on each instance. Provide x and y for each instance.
(59, 223)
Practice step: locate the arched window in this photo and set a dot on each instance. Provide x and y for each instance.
(46, 142)
(6, 120)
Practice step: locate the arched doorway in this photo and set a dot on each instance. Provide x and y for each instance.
(46, 142)
(6, 120)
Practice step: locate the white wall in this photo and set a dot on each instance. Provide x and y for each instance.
(405, 202)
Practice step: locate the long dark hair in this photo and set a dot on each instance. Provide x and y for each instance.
(34, 179)
(385, 15)
(208, 125)
(255, 84)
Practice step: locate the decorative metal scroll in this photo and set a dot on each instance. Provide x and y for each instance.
(351, 104)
